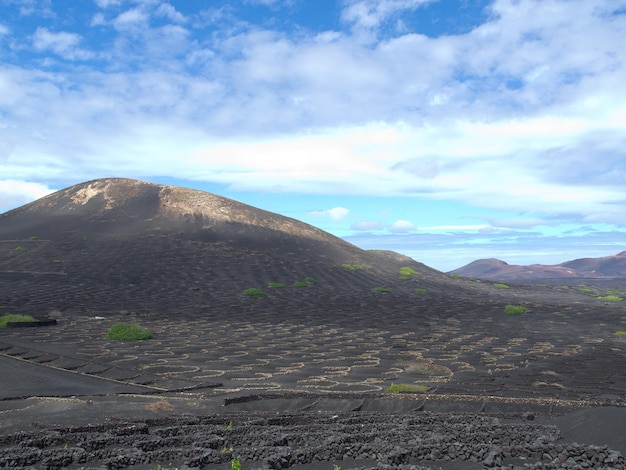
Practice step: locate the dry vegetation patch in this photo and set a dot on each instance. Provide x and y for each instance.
(161, 405)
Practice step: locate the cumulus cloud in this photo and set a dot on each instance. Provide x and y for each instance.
(15, 193)
(131, 19)
(370, 13)
(522, 113)
(402, 226)
(336, 214)
(62, 43)
(168, 11)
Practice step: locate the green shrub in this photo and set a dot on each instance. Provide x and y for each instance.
(610, 298)
(456, 276)
(19, 249)
(620, 334)
(381, 289)
(406, 273)
(300, 284)
(254, 292)
(16, 318)
(407, 388)
(127, 332)
(515, 309)
(355, 267)
(276, 285)
(499, 285)
(421, 290)
(310, 280)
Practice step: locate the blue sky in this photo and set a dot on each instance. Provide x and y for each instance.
(446, 130)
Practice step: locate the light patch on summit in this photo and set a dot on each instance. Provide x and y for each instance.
(84, 195)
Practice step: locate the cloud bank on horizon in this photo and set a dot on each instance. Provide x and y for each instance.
(447, 130)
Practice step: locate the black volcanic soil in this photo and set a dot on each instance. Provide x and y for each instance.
(294, 379)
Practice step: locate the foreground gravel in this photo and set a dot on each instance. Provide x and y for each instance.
(304, 440)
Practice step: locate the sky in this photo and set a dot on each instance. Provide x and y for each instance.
(445, 130)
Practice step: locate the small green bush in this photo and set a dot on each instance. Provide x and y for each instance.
(381, 289)
(127, 332)
(421, 290)
(620, 334)
(310, 280)
(16, 318)
(254, 292)
(515, 309)
(19, 249)
(499, 285)
(276, 285)
(407, 388)
(300, 284)
(355, 267)
(406, 273)
(610, 298)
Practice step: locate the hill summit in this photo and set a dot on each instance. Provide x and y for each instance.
(125, 244)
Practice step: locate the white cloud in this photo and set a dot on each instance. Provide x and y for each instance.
(401, 226)
(336, 214)
(168, 11)
(259, 110)
(98, 20)
(131, 19)
(63, 44)
(370, 13)
(14, 193)
(107, 3)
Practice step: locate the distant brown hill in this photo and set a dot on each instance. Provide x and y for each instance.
(608, 267)
(116, 244)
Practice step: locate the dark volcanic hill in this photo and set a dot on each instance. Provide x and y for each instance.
(608, 267)
(119, 244)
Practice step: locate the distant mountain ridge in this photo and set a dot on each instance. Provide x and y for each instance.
(607, 267)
